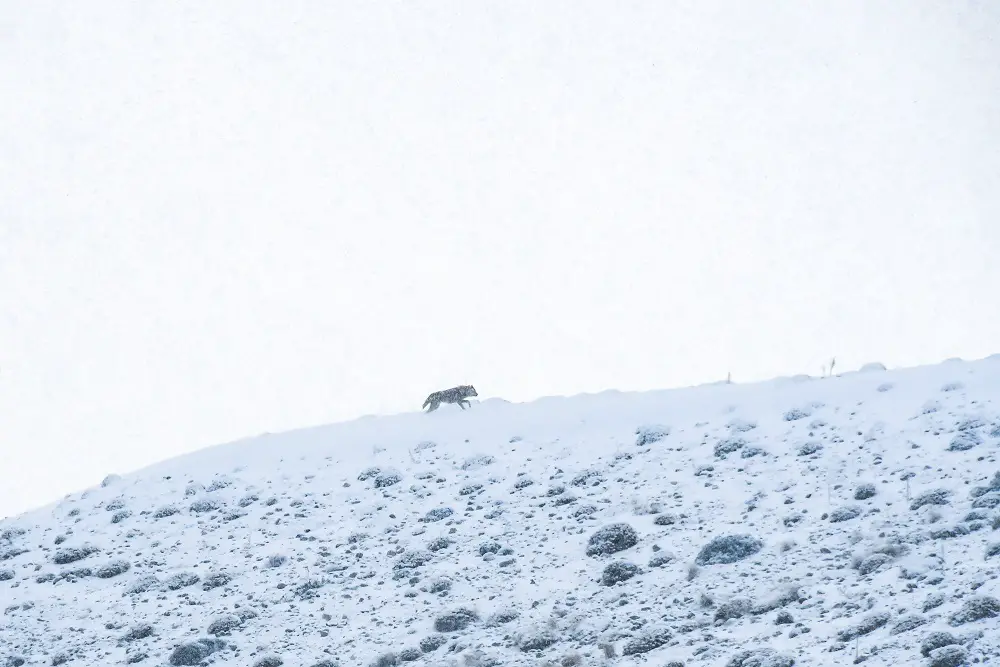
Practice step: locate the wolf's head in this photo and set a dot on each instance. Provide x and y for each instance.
(469, 390)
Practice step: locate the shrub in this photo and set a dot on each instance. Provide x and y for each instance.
(735, 608)
(873, 563)
(224, 625)
(142, 585)
(202, 506)
(478, 461)
(615, 573)
(987, 501)
(269, 661)
(587, 478)
(410, 654)
(796, 414)
(432, 643)
(964, 441)
(74, 554)
(867, 625)
(845, 514)
(976, 609)
(906, 624)
(936, 640)
(438, 514)
(760, 657)
(537, 641)
(647, 435)
(948, 656)
(6, 575)
(502, 617)
(723, 550)
(810, 448)
(137, 632)
(412, 560)
(933, 497)
(865, 491)
(216, 580)
(612, 539)
(438, 544)
(783, 618)
(647, 641)
(120, 515)
(180, 580)
(113, 569)
(660, 559)
(276, 560)
(165, 511)
(665, 520)
(455, 621)
(193, 653)
(387, 479)
(728, 446)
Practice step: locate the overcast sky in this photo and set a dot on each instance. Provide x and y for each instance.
(219, 219)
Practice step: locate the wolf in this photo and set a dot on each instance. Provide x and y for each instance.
(453, 395)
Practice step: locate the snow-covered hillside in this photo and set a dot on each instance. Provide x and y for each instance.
(815, 521)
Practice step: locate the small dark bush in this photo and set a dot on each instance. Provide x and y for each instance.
(618, 572)
(432, 643)
(867, 625)
(906, 624)
(729, 445)
(113, 569)
(269, 661)
(224, 625)
(948, 656)
(964, 441)
(865, 491)
(936, 640)
(193, 653)
(726, 549)
(142, 585)
(438, 544)
(74, 554)
(120, 515)
(987, 501)
(412, 560)
(587, 478)
(933, 497)
(455, 621)
(387, 479)
(410, 654)
(647, 435)
(215, 580)
(438, 514)
(137, 632)
(165, 511)
(647, 641)
(180, 580)
(538, 641)
(368, 473)
(873, 563)
(660, 559)
(810, 448)
(844, 514)
(796, 414)
(783, 618)
(612, 539)
(502, 617)
(665, 520)
(202, 506)
(760, 657)
(6, 575)
(976, 609)
(735, 608)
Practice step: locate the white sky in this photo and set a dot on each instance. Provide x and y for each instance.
(218, 219)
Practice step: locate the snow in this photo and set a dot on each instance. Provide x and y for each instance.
(335, 543)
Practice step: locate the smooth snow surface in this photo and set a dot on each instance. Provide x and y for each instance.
(839, 517)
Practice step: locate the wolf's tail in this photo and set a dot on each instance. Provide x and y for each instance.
(426, 403)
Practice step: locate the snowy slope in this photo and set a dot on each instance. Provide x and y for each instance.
(462, 538)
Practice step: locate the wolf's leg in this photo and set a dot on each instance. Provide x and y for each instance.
(434, 406)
